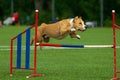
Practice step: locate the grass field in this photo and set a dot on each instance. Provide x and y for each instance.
(64, 64)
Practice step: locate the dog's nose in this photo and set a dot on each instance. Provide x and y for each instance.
(86, 26)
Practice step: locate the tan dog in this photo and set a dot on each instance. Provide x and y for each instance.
(60, 30)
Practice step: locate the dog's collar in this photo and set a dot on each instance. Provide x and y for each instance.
(71, 23)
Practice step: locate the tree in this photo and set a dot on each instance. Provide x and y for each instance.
(89, 10)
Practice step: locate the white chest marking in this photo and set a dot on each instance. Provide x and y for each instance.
(71, 23)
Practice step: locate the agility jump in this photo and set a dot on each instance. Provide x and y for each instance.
(27, 58)
(27, 61)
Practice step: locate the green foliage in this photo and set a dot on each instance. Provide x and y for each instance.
(89, 10)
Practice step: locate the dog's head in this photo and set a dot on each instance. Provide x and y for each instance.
(78, 24)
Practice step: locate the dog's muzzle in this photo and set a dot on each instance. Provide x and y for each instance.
(85, 27)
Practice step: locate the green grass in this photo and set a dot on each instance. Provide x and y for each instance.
(64, 64)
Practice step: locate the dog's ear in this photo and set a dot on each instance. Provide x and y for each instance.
(75, 18)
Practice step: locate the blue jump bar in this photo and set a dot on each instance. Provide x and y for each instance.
(19, 41)
(27, 62)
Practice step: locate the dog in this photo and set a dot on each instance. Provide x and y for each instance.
(60, 30)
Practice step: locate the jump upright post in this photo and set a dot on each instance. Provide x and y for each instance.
(115, 26)
(27, 52)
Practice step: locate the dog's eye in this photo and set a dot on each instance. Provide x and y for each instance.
(80, 23)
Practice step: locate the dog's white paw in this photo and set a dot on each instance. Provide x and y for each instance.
(73, 29)
(78, 36)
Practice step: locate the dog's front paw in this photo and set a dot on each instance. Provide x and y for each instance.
(78, 36)
(73, 29)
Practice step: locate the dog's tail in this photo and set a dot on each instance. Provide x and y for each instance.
(32, 41)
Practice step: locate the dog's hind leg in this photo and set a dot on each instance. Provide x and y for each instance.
(32, 41)
(46, 39)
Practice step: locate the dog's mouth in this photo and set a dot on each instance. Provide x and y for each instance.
(81, 30)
